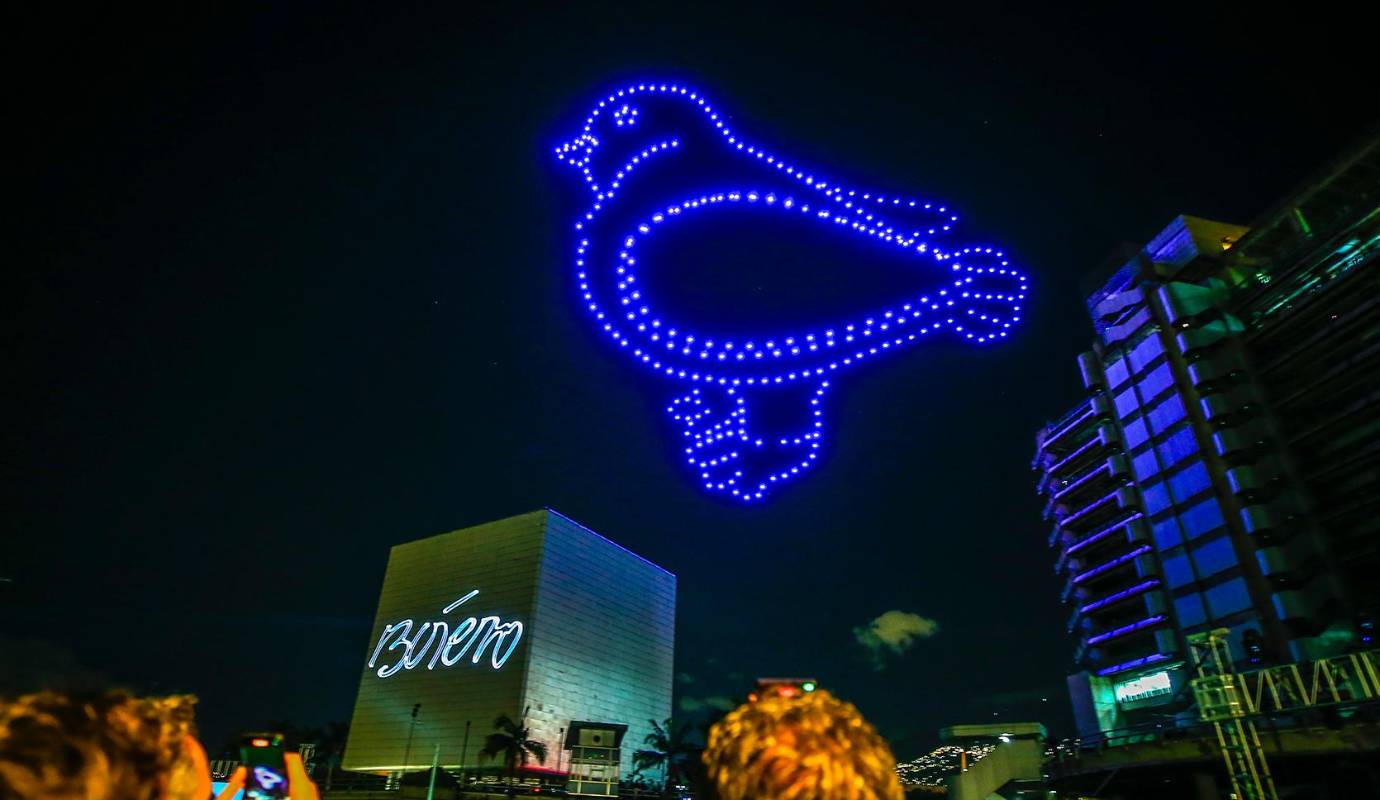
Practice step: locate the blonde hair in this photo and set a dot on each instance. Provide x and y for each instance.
(109, 746)
(808, 747)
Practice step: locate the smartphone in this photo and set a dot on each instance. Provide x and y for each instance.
(265, 773)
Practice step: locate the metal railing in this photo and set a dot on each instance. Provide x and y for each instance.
(1350, 678)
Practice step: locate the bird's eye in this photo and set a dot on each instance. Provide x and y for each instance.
(625, 116)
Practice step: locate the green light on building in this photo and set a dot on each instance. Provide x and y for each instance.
(1303, 223)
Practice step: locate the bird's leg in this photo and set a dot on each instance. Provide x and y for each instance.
(746, 441)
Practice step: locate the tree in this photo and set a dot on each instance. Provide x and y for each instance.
(330, 749)
(667, 747)
(510, 740)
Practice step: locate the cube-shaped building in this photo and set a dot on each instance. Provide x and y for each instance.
(534, 614)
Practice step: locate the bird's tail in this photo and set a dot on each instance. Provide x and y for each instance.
(745, 442)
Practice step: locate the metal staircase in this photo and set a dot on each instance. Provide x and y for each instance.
(1221, 702)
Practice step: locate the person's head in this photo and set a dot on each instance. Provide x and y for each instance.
(109, 746)
(811, 746)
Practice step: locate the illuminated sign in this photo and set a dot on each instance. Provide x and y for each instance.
(729, 385)
(1146, 686)
(472, 636)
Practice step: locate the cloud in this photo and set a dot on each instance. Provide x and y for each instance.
(720, 703)
(691, 705)
(893, 634)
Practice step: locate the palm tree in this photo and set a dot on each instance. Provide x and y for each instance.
(330, 748)
(510, 740)
(667, 748)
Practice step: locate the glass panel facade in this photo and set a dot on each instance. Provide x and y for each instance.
(1190, 481)
(1228, 598)
(1190, 610)
(1214, 556)
(1202, 518)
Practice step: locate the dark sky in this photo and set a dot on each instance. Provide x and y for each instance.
(293, 286)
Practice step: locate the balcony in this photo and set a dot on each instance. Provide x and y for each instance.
(1210, 374)
(1061, 561)
(1116, 597)
(1191, 340)
(1255, 481)
(1113, 307)
(1127, 630)
(1294, 605)
(1103, 437)
(1097, 476)
(1108, 566)
(1126, 666)
(1082, 615)
(1114, 334)
(1231, 408)
(1266, 521)
(1091, 370)
(1057, 432)
(1132, 525)
(1240, 440)
(1099, 511)
(1181, 301)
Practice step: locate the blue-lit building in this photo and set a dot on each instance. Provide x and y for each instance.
(1224, 468)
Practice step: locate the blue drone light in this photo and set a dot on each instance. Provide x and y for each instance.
(980, 299)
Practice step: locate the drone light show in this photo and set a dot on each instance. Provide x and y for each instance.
(748, 400)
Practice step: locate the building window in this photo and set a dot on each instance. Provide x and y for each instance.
(1190, 481)
(1164, 415)
(1190, 610)
(1177, 571)
(1202, 518)
(1228, 598)
(1135, 433)
(1180, 445)
(1214, 556)
(1156, 498)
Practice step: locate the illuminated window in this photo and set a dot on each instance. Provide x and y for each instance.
(1146, 686)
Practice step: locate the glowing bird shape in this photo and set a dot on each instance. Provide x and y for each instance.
(643, 156)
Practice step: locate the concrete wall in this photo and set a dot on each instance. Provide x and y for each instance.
(597, 642)
(603, 638)
(1016, 760)
(501, 560)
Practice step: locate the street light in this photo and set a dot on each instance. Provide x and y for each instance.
(464, 751)
(407, 752)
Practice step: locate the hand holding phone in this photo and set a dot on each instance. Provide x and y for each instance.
(265, 768)
(268, 772)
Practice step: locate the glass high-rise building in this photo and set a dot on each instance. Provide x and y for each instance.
(1224, 469)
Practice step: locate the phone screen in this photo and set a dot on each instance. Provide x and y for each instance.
(265, 775)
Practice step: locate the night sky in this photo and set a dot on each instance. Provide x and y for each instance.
(294, 286)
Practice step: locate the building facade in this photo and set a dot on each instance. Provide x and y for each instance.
(1224, 468)
(534, 617)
